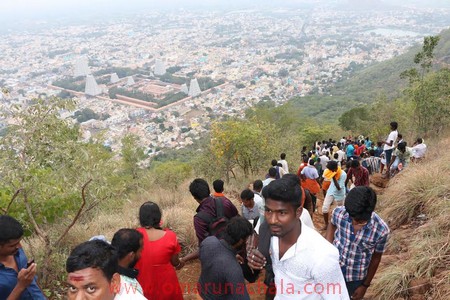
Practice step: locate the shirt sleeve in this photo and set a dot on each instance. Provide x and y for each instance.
(335, 216)
(201, 229)
(380, 247)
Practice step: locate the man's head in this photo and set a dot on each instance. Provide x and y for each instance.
(400, 136)
(218, 185)
(247, 198)
(394, 125)
(237, 231)
(283, 155)
(128, 243)
(402, 146)
(354, 163)
(274, 162)
(150, 215)
(303, 148)
(92, 268)
(11, 233)
(199, 189)
(360, 203)
(332, 166)
(272, 173)
(257, 185)
(311, 162)
(419, 141)
(283, 206)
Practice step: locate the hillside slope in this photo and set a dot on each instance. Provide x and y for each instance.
(416, 206)
(365, 85)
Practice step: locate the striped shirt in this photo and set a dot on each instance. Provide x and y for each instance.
(355, 250)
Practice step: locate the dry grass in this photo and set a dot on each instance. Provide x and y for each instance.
(422, 189)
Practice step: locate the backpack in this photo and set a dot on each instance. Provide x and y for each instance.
(217, 224)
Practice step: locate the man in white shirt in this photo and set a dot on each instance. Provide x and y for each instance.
(302, 263)
(419, 149)
(284, 163)
(389, 144)
(272, 177)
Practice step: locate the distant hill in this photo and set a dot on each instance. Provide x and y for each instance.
(366, 84)
(384, 77)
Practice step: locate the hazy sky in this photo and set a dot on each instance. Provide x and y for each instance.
(20, 9)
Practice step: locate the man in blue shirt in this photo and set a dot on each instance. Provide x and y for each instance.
(17, 277)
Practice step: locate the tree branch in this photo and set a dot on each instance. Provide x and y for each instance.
(12, 200)
(77, 216)
(43, 235)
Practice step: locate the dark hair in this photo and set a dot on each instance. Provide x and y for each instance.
(394, 125)
(402, 146)
(332, 165)
(355, 163)
(283, 155)
(199, 189)
(95, 254)
(150, 215)
(284, 190)
(258, 185)
(311, 162)
(304, 148)
(305, 159)
(218, 185)
(292, 177)
(372, 152)
(273, 162)
(10, 229)
(237, 228)
(419, 140)
(360, 202)
(272, 172)
(379, 144)
(247, 194)
(126, 240)
(400, 136)
(336, 155)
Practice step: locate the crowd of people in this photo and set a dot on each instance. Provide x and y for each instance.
(272, 230)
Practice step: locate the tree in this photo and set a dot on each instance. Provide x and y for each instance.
(171, 174)
(420, 85)
(47, 176)
(132, 155)
(245, 144)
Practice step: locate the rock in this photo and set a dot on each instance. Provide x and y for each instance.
(419, 286)
(379, 181)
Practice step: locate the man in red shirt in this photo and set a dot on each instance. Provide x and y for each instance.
(360, 174)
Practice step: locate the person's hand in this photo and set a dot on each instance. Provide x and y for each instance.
(25, 276)
(359, 293)
(256, 260)
(180, 264)
(240, 259)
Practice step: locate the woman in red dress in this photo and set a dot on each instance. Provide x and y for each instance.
(159, 257)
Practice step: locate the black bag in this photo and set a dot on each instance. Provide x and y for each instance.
(216, 225)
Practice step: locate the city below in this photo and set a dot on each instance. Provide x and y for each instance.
(166, 76)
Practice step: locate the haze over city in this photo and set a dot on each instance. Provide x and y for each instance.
(165, 70)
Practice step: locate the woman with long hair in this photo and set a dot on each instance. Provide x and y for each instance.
(159, 257)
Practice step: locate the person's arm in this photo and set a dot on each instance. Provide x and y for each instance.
(24, 279)
(331, 229)
(336, 183)
(177, 262)
(373, 266)
(191, 256)
(349, 176)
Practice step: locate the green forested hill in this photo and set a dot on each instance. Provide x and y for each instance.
(367, 84)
